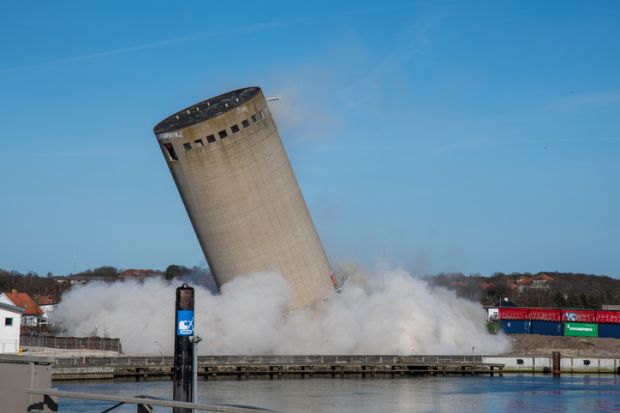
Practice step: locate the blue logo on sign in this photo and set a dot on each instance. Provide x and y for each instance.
(185, 323)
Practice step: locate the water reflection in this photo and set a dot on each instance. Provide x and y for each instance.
(511, 393)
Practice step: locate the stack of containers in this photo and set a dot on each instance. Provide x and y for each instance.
(608, 323)
(552, 322)
(514, 320)
(580, 323)
(546, 321)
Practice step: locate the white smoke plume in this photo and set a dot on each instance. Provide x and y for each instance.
(393, 313)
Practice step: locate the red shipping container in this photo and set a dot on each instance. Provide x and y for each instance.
(579, 316)
(545, 314)
(608, 316)
(513, 313)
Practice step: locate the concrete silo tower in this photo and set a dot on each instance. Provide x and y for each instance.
(242, 197)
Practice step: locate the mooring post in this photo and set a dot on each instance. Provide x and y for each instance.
(556, 364)
(183, 347)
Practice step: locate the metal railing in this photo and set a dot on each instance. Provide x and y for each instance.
(129, 361)
(335, 359)
(143, 403)
(9, 346)
(72, 343)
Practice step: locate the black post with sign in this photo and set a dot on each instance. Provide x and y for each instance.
(183, 347)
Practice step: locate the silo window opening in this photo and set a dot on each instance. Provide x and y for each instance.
(172, 155)
(254, 118)
(199, 143)
(245, 123)
(222, 134)
(211, 138)
(187, 146)
(234, 128)
(8, 321)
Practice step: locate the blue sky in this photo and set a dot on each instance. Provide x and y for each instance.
(436, 135)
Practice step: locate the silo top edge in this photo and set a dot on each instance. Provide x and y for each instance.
(207, 109)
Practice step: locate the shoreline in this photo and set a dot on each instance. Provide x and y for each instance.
(142, 367)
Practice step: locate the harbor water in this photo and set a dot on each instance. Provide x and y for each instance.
(511, 393)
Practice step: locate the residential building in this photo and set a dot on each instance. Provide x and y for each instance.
(32, 313)
(10, 328)
(47, 305)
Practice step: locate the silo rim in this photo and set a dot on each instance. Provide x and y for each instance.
(207, 109)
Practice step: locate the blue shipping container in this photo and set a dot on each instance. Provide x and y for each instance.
(609, 330)
(516, 326)
(547, 328)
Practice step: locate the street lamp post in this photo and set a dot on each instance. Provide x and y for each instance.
(195, 340)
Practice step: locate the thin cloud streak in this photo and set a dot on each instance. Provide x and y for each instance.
(416, 41)
(185, 39)
(178, 40)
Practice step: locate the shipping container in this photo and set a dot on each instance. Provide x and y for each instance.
(609, 330)
(516, 326)
(579, 316)
(544, 314)
(581, 329)
(547, 328)
(608, 317)
(513, 313)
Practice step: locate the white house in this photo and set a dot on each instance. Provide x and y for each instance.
(47, 305)
(32, 313)
(10, 326)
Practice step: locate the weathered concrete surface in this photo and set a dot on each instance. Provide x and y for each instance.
(211, 367)
(19, 373)
(542, 364)
(328, 366)
(84, 372)
(242, 196)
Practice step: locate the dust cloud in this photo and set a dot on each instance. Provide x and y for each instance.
(387, 313)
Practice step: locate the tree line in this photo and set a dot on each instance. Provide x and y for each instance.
(54, 286)
(568, 290)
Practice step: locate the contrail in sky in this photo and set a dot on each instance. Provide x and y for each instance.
(185, 39)
(177, 40)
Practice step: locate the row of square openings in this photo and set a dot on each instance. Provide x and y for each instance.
(223, 134)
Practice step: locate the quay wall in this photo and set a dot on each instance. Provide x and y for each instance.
(71, 368)
(568, 365)
(212, 367)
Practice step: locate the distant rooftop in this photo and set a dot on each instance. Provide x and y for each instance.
(206, 109)
(23, 300)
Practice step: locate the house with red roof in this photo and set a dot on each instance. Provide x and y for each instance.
(32, 313)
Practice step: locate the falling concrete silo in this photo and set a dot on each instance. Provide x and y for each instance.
(242, 197)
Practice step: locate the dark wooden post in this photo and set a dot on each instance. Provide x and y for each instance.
(556, 364)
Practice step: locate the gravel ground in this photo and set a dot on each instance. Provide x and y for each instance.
(570, 346)
(522, 344)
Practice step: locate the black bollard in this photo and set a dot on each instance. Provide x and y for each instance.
(183, 347)
(556, 365)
